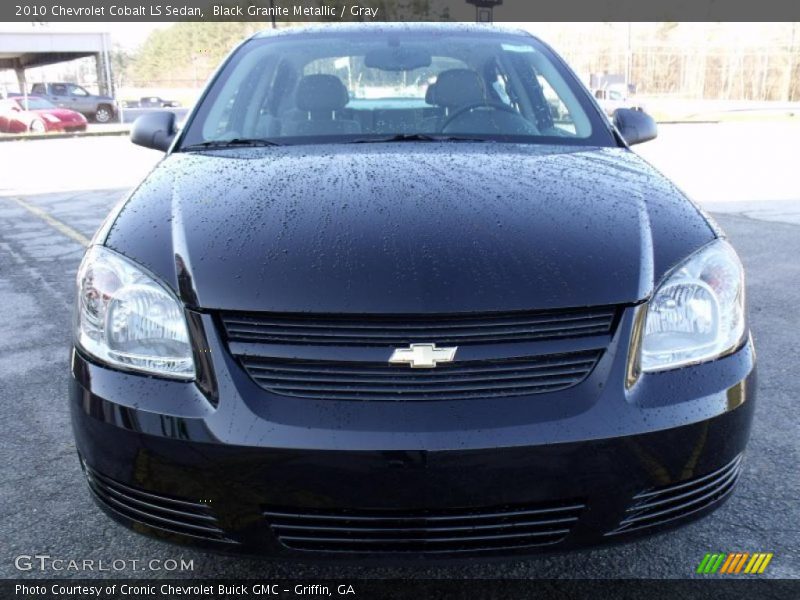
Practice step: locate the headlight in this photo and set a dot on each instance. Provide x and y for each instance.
(697, 313)
(128, 319)
(51, 118)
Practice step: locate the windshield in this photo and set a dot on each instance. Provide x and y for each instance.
(35, 103)
(406, 84)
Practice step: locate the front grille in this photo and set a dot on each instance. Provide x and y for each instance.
(664, 504)
(454, 381)
(165, 513)
(451, 531)
(391, 330)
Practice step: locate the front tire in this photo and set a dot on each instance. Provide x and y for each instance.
(37, 126)
(103, 114)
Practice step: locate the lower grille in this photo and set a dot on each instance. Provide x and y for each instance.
(461, 380)
(154, 510)
(664, 504)
(452, 531)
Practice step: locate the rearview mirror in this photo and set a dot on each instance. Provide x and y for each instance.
(397, 58)
(155, 130)
(635, 126)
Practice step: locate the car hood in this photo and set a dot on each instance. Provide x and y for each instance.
(407, 227)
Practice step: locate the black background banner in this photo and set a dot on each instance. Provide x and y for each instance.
(712, 588)
(397, 10)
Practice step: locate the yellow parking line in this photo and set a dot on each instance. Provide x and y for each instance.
(59, 226)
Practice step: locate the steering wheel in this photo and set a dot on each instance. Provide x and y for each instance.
(467, 108)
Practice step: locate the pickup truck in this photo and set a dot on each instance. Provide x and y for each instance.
(612, 97)
(69, 95)
(151, 102)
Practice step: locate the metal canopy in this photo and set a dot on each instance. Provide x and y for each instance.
(24, 50)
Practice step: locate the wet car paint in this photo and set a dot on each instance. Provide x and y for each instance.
(244, 457)
(409, 228)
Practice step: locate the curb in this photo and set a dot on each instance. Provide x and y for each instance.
(56, 136)
(688, 122)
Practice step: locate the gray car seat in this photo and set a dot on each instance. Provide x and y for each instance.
(453, 89)
(319, 97)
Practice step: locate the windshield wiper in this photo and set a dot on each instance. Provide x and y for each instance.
(419, 137)
(235, 142)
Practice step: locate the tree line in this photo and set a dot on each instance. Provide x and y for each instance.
(727, 61)
(721, 61)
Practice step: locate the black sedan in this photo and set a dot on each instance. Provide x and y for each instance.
(377, 302)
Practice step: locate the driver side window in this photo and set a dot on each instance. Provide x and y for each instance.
(76, 90)
(558, 110)
(500, 88)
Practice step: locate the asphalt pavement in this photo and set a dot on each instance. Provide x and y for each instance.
(45, 506)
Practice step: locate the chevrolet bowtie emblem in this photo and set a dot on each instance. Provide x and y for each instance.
(422, 356)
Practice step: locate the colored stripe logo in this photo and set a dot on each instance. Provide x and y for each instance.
(734, 563)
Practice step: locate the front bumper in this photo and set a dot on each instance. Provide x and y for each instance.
(300, 479)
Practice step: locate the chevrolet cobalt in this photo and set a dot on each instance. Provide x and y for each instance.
(402, 292)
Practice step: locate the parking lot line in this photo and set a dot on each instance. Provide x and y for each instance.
(59, 226)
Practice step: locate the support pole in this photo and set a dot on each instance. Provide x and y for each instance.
(101, 78)
(21, 79)
(107, 58)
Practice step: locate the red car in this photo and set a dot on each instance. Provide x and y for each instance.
(37, 115)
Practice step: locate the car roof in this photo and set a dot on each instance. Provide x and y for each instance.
(454, 27)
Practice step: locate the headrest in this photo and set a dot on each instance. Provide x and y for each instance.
(458, 87)
(430, 94)
(321, 92)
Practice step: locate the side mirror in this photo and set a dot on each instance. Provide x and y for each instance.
(635, 126)
(155, 130)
